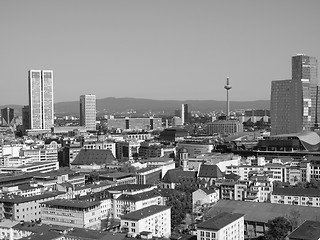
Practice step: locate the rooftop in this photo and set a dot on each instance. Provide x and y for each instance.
(94, 156)
(210, 171)
(139, 196)
(309, 230)
(18, 199)
(72, 203)
(291, 191)
(220, 221)
(143, 213)
(262, 212)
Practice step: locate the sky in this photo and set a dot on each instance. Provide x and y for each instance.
(164, 50)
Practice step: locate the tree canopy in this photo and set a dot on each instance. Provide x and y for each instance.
(278, 228)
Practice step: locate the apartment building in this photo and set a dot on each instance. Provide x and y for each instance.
(20, 208)
(152, 221)
(127, 202)
(296, 196)
(231, 190)
(221, 227)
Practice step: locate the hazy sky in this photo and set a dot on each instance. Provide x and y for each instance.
(165, 49)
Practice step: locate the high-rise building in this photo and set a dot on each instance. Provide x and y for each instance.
(7, 115)
(293, 101)
(88, 112)
(41, 99)
(184, 114)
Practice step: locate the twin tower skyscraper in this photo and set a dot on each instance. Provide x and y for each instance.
(39, 114)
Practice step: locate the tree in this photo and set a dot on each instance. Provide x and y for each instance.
(278, 228)
(177, 202)
(294, 218)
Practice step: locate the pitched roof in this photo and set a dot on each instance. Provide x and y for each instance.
(309, 230)
(232, 176)
(219, 221)
(209, 190)
(210, 171)
(94, 156)
(178, 175)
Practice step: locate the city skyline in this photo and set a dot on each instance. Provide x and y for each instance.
(184, 49)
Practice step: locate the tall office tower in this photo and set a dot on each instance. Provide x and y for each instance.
(88, 112)
(41, 99)
(26, 117)
(293, 102)
(7, 115)
(184, 114)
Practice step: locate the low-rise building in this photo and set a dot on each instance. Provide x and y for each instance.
(43, 166)
(128, 202)
(25, 208)
(222, 226)
(150, 221)
(296, 196)
(72, 213)
(149, 175)
(204, 197)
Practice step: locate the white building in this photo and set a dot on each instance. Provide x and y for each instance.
(72, 213)
(203, 197)
(296, 196)
(151, 221)
(41, 99)
(221, 227)
(128, 202)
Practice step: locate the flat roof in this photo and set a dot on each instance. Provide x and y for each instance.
(262, 212)
(72, 203)
(18, 199)
(220, 221)
(145, 212)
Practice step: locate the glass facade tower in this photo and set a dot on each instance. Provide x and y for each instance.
(88, 113)
(41, 99)
(293, 102)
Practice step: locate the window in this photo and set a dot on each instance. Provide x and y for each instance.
(207, 234)
(133, 224)
(202, 233)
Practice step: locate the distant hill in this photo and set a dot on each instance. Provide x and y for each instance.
(117, 105)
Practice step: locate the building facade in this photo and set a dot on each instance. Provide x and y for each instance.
(41, 99)
(152, 220)
(7, 115)
(72, 213)
(223, 226)
(293, 102)
(184, 114)
(88, 112)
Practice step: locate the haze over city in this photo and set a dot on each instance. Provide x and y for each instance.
(173, 50)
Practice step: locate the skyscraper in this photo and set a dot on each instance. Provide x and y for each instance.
(88, 111)
(41, 99)
(184, 114)
(7, 115)
(293, 101)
